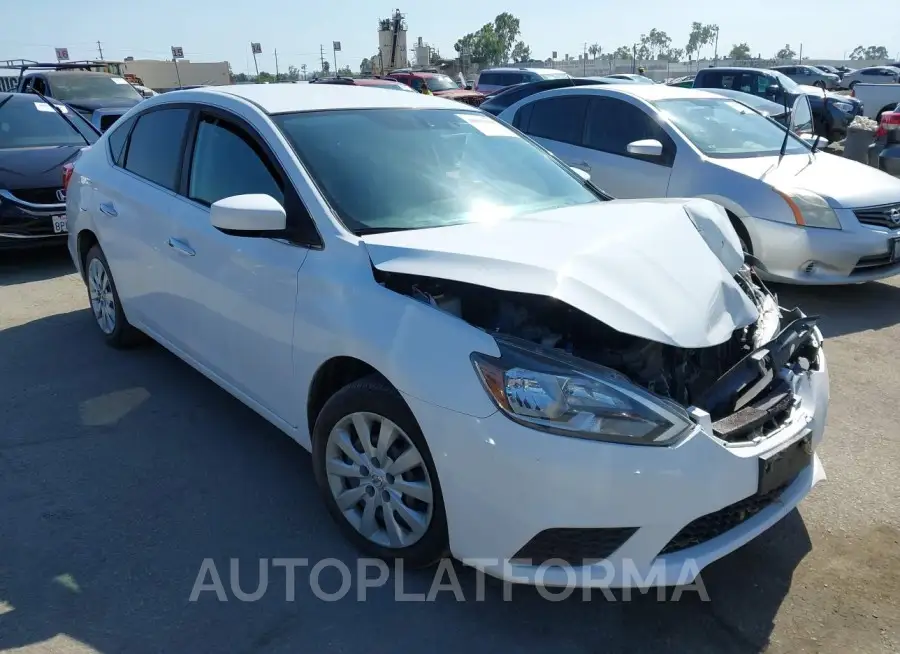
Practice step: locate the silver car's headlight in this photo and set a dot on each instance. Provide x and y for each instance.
(809, 209)
(570, 397)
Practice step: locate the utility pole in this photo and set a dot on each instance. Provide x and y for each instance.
(800, 60)
(276, 64)
(633, 56)
(322, 57)
(584, 60)
(100, 48)
(716, 48)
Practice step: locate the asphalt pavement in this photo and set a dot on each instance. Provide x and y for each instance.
(121, 472)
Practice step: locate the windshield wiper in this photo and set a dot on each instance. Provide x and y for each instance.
(62, 115)
(366, 231)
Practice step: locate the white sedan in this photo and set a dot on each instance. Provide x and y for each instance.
(806, 216)
(482, 353)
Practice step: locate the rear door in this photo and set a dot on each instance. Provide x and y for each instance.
(133, 201)
(557, 124)
(610, 126)
(237, 294)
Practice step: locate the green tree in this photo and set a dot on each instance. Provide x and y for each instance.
(740, 51)
(326, 67)
(494, 43)
(594, 50)
(293, 73)
(241, 77)
(785, 53)
(672, 54)
(874, 52)
(344, 71)
(265, 77)
(622, 52)
(521, 52)
(694, 40)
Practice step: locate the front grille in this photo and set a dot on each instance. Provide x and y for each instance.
(711, 525)
(38, 195)
(886, 215)
(574, 546)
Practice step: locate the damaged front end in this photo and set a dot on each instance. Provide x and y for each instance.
(565, 371)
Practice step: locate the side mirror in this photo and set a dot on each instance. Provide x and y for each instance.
(583, 174)
(645, 148)
(255, 212)
(772, 89)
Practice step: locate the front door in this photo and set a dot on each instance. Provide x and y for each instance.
(612, 124)
(237, 293)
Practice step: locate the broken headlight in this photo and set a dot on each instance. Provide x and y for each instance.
(567, 396)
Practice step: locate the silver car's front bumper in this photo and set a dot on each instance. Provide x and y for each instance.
(802, 255)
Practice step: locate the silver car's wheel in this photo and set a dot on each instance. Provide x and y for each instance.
(379, 480)
(103, 302)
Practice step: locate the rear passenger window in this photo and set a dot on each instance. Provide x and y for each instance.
(559, 119)
(226, 163)
(156, 146)
(488, 78)
(116, 140)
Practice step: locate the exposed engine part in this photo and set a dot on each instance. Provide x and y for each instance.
(683, 375)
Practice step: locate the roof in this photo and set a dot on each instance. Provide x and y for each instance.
(74, 71)
(648, 92)
(515, 69)
(284, 98)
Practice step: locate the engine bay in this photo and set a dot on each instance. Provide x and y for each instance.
(682, 375)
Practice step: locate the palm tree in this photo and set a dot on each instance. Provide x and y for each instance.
(595, 50)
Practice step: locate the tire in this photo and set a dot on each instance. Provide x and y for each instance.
(105, 304)
(820, 84)
(416, 530)
(852, 84)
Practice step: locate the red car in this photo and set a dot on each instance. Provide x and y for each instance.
(440, 85)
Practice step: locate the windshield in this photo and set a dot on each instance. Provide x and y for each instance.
(31, 123)
(556, 74)
(725, 128)
(418, 168)
(787, 83)
(71, 87)
(440, 83)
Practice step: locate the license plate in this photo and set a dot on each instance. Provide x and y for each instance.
(779, 468)
(60, 225)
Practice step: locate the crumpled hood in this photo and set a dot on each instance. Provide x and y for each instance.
(845, 182)
(658, 269)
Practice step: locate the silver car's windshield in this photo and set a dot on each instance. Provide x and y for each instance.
(393, 169)
(725, 128)
(787, 83)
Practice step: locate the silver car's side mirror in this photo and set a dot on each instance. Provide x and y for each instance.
(646, 148)
(255, 212)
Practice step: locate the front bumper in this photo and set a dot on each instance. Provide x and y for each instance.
(800, 255)
(503, 484)
(25, 224)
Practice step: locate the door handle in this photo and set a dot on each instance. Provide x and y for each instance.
(109, 209)
(181, 247)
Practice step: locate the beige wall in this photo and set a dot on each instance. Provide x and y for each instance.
(162, 75)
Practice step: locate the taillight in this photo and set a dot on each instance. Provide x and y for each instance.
(68, 169)
(890, 121)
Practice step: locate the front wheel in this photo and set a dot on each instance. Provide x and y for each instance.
(852, 84)
(377, 476)
(820, 84)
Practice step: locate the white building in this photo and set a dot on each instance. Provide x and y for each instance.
(423, 53)
(392, 51)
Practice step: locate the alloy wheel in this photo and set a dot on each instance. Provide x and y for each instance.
(103, 302)
(379, 480)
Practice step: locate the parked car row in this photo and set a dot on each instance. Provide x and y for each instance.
(498, 321)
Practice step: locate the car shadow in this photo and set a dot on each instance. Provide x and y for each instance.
(34, 265)
(845, 309)
(121, 472)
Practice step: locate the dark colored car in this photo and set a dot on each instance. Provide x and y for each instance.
(36, 142)
(440, 85)
(495, 103)
(100, 97)
(832, 112)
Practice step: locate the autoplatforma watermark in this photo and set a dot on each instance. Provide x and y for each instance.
(375, 573)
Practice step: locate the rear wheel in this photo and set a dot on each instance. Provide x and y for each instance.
(852, 84)
(820, 84)
(105, 304)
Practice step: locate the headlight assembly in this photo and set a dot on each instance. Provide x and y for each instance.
(846, 107)
(810, 209)
(570, 397)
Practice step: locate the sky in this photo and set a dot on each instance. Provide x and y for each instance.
(207, 31)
